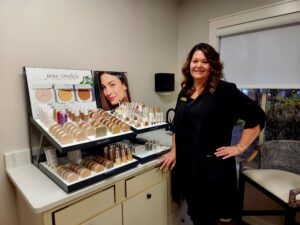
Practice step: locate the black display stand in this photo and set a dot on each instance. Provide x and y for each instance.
(48, 87)
(45, 138)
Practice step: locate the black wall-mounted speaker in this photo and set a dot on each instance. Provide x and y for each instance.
(164, 82)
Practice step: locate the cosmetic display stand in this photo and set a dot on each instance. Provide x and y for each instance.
(68, 132)
(45, 138)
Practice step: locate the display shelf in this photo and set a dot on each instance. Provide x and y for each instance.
(90, 142)
(140, 152)
(81, 183)
(144, 156)
(143, 129)
(141, 156)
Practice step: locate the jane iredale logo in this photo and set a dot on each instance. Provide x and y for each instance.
(53, 76)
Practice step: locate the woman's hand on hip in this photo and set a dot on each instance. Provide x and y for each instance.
(227, 151)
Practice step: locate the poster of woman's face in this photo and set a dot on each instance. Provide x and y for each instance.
(113, 88)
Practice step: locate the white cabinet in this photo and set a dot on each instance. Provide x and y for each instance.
(139, 199)
(148, 207)
(110, 217)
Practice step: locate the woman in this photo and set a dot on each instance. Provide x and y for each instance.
(204, 162)
(114, 89)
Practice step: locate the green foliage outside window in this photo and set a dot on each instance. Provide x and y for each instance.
(283, 115)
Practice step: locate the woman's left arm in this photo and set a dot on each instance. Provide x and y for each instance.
(248, 136)
(245, 108)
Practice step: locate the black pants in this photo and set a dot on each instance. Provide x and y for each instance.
(200, 216)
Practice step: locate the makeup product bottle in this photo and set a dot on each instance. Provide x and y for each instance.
(55, 112)
(151, 116)
(106, 152)
(132, 150)
(157, 114)
(52, 157)
(63, 117)
(58, 117)
(75, 156)
(123, 155)
(118, 158)
(112, 152)
(76, 115)
(85, 115)
(129, 153)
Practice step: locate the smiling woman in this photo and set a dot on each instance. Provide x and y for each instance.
(113, 89)
(202, 158)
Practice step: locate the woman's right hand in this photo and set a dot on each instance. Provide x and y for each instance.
(168, 161)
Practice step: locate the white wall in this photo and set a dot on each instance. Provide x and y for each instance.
(141, 37)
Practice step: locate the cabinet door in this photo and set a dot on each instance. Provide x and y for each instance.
(148, 207)
(110, 217)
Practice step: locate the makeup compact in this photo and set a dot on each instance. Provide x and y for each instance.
(83, 92)
(64, 93)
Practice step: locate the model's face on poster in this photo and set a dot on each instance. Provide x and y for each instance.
(113, 88)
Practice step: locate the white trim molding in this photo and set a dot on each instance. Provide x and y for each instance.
(277, 14)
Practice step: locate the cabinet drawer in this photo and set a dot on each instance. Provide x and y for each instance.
(110, 217)
(143, 181)
(86, 208)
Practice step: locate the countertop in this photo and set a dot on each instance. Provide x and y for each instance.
(42, 194)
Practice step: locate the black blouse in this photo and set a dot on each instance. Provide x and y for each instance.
(202, 125)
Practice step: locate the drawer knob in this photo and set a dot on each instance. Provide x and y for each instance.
(149, 196)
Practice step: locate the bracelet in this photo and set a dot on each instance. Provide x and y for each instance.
(173, 147)
(239, 149)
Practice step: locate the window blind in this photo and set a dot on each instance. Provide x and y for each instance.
(266, 58)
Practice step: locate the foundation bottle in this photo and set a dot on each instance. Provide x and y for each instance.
(55, 113)
(118, 158)
(106, 152)
(85, 116)
(123, 155)
(129, 153)
(76, 115)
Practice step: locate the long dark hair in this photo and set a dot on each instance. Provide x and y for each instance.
(213, 59)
